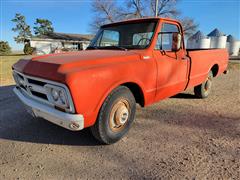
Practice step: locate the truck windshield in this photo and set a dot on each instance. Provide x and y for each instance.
(124, 36)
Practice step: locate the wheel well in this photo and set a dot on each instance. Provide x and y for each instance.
(214, 70)
(137, 92)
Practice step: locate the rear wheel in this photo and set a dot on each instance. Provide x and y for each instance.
(203, 90)
(115, 117)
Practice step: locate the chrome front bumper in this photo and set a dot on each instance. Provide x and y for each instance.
(73, 122)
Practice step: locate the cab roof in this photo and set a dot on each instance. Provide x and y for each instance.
(146, 19)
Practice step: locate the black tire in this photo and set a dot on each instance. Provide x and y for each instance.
(203, 90)
(115, 117)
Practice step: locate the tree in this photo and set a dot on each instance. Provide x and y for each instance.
(22, 28)
(4, 48)
(28, 49)
(166, 8)
(189, 26)
(133, 9)
(146, 8)
(107, 12)
(43, 26)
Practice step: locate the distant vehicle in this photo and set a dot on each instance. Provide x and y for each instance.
(136, 61)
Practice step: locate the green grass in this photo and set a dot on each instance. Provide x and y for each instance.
(6, 63)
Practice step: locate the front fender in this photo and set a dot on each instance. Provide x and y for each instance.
(89, 88)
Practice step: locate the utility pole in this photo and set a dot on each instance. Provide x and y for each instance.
(156, 8)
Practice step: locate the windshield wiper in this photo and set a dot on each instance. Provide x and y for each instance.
(115, 47)
(106, 47)
(92, 47)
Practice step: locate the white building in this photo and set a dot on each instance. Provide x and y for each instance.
(57, 42)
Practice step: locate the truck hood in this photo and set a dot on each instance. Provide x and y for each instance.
(56, 66)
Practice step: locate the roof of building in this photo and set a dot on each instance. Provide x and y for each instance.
(65, 36)
(230, 38)
(216, 33)
(198, 35)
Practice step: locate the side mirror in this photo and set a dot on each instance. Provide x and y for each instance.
(176, 41)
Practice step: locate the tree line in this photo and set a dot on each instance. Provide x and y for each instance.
(42, 27)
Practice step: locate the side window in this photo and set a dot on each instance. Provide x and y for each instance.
(164, 41)
(109, 38)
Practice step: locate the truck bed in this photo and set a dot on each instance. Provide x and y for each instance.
(202, 61)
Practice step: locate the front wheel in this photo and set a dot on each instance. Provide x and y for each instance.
(115, 117)
(203, 90)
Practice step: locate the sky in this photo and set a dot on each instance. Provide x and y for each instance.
(74, 16)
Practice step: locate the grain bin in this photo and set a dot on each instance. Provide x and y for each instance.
(218, 39)
(190, 44)
(198, 41)
(232, 45)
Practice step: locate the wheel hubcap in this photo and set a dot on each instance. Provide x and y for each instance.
(119, 115)
(208, 84)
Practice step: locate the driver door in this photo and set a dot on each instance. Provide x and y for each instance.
(172, 66)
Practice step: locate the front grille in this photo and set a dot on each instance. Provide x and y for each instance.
(40, 95)
(23, 87)
(32, 87)
(32, 81)
(39, 89)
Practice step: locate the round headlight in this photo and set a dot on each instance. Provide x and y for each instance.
(55, 94)
(62, 97)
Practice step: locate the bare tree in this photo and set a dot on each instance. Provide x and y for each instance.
(105, 12)
(166, 8)
(109, 11)
(146, 8)
(133, 9)
(189, 26)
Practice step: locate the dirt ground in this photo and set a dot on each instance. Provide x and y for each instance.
(179, 138)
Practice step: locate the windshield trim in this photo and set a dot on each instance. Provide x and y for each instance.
(130, 22)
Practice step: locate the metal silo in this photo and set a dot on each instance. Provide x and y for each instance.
(190, 44)
(198, 41)
(232, 45)
(218, 39)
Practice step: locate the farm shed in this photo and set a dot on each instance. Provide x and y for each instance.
(55, 42)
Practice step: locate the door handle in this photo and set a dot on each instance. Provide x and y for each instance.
(184, 58)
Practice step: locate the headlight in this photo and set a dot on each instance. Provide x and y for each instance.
(62, 97)
(57, 95)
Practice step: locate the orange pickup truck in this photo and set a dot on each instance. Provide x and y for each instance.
(136, 61)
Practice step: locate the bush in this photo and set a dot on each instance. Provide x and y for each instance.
(28, 50)
(4, 48)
